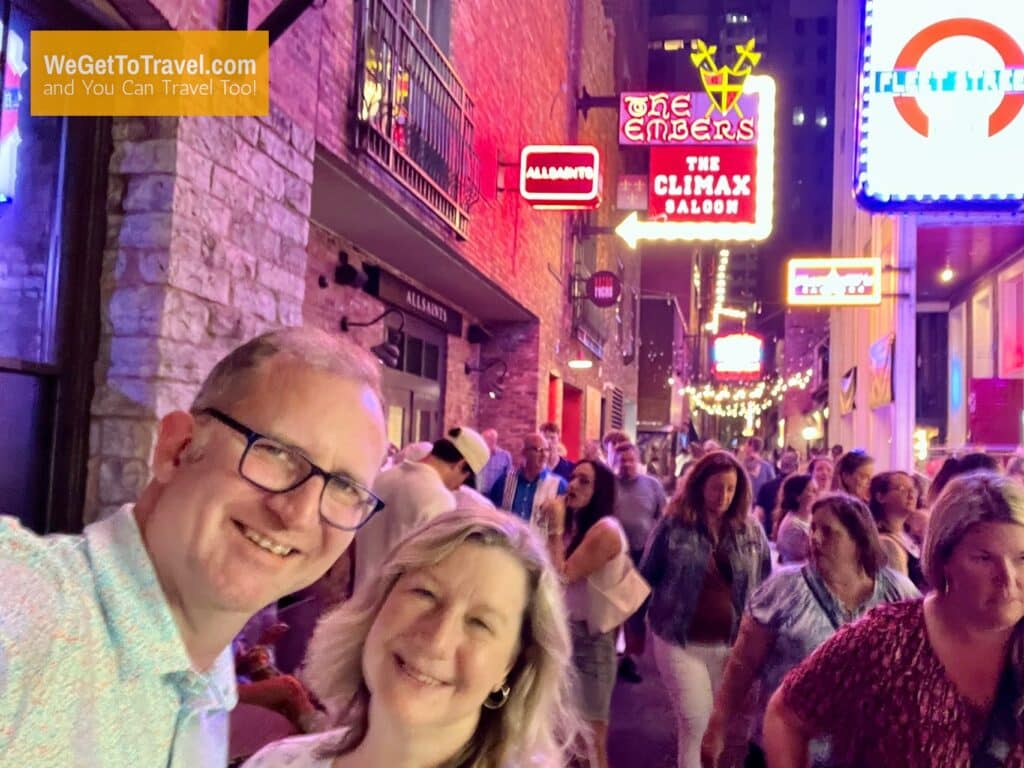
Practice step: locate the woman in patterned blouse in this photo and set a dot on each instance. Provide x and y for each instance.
(799, 608)
(932, 683)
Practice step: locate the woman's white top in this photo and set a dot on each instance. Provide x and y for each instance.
(577, 596)
(296, 752)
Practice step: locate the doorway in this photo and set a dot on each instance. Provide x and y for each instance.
(572, 420)
(52, 221)
(414, 390)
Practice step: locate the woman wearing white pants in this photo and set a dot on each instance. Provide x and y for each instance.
(703, 561)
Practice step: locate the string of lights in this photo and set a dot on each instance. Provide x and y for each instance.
(747, 401)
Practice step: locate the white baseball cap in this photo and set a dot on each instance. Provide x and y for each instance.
(471, 445)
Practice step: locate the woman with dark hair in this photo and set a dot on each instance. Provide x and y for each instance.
(953, 466)
(893, 501)
(703, 561)
(853, 474)
(798, 609)
(932, 682)
(793, 541)
(595, 553)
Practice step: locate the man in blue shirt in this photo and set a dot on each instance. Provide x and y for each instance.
(522, 492)
(115, 646)
(496, 466)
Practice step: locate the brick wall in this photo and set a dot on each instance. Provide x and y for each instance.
(209, 240)
(326, 304)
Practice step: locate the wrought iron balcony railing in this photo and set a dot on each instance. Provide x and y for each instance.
(414, 116)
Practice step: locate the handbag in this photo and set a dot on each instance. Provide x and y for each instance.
(610, 604)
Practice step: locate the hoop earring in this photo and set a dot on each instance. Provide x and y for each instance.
(497, 699)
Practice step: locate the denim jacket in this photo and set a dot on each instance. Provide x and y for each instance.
(676, 561)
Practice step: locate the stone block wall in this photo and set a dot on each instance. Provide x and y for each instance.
(209, 240)
(207, 227)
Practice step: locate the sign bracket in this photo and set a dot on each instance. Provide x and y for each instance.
(586, 102)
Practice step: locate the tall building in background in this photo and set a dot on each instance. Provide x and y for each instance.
(797, 41)
(802, 56)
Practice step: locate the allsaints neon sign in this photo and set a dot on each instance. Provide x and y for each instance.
(560, 177)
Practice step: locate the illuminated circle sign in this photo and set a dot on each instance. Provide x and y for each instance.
(942, 105)
(737, 356)
(604, 289)
(560, 177)
(1013, 59)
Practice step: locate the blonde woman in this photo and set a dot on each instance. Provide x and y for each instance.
(457, 655)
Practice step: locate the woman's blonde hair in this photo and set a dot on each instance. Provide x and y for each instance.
(538, 720)
(968, 500)
(688, 503)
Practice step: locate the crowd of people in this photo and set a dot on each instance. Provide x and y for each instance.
(825, 614)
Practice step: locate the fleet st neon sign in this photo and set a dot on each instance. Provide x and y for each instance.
(942, 105)
(834, 282)
(560, 177)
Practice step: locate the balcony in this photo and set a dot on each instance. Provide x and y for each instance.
(414, 115)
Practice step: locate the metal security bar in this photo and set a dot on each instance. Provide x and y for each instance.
(414, 115)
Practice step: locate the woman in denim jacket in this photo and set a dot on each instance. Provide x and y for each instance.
(703, 561)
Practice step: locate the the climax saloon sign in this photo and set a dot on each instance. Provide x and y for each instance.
(838, 282)
(560, 177)
(711, 153)
(942, 105)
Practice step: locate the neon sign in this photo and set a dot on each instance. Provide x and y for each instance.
(707, 188)
(724, 85)
(716, 185)
(737, 356)
(604, 289)
(560, 177)
(10, 136)
(838, 282)
(683, 118)
(942, 105)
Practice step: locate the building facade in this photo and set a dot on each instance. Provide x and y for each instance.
(936, 367)
(383, 178)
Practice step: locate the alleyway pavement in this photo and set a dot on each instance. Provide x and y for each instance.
(643, 730)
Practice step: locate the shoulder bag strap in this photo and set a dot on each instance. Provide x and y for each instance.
(823, 599)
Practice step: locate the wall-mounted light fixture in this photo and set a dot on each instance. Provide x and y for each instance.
(388, 351)
(581, 362)
(346, 274)
(497, 386)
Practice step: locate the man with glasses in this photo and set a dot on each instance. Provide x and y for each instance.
(524, 491)
(115, 644)
(418, 491)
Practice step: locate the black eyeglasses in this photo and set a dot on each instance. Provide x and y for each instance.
(277, 468)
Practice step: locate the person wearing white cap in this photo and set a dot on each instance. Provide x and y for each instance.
(416, 491)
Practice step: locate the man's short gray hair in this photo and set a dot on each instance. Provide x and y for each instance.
(231, 378)
(977, 497)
